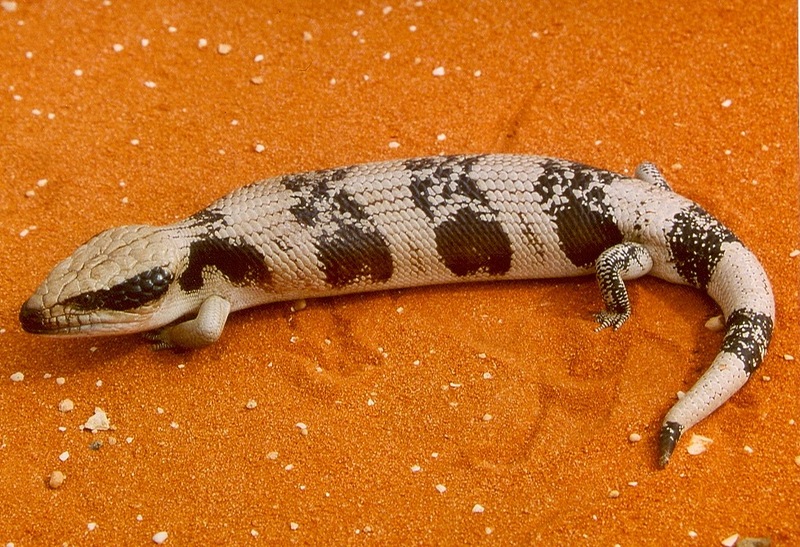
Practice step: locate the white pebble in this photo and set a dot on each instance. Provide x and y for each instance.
(17, 377)
(795, 253)
(272, 455)
(730, 541)
(64, 456)
(387, 56)
(258, 58)
(61, 380)
(387, 10)
(78, 72)
(698, 444)
(289, 467)
(160, 537)
(716, 323)
(224, 49)
(487, 417)
(613, 494)
(797, 461)
(477, 73)
(442, 488)
(172, 29)
(487, 375)
(788, 357)
(440, 137)
(151, 84)
(394, 144)
(438, 71)
(254, 533)
(118, 47)
(478, 508)
(91, 526)
(66, 405)
(135, 142)
(726, 103)
(174, 425)
(145, 42)
(634, 437)
(692, 534)
(98, 421)
(251, 404)
(259, 148)
(415, 469)
(307, 36)
(293, 526)
(56, 479)
(748, 449)
(202, 42)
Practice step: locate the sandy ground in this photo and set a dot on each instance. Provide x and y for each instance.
(113, 113)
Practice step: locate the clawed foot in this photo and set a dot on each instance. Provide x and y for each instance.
(159, 340)
(607, 319)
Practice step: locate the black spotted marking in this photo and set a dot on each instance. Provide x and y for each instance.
(574, 196)
(695, 243)
(747, 336)
(240, 263)
(350, 249)
(469, 237)
(134, 292)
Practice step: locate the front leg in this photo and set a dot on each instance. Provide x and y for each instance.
(615, 264)
(195, 333)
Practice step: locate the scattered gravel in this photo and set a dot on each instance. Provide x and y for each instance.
(478, 508)
(160, 537)
(17, 377)
(56, 479)
(251, 404)
(441, 488)
(293, 526)
(613, 494)
(634, 437)
(224, 49)
(64, 456)
(730, 541)
(438, 71)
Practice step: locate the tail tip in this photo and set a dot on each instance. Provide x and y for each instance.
(668, 438)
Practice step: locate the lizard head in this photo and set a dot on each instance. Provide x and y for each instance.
(112, 284)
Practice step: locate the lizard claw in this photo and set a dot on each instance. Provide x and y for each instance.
(607, 319)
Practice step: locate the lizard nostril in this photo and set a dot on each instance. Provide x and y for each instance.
(31, 318)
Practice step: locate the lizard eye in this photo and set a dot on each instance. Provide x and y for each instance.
(86, 301)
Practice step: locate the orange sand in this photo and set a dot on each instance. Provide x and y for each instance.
(610, 86)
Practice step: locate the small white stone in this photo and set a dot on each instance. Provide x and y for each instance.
(613, 494)
(9, 6)
(91, 526)
(145, 42)
(135, 142)
(98, 421)
(440, 137)
(415, 469)
(634, 437)
(293, 526)
(795, 253)
(788, 357)
(698, 444)
(477, 73)
(387, 56)
(302, 427)
(307, 37)
(438, 71)
(726, 103)
(748, 449)
(258, 58)
(259, 148)
(61, 381)
(64, 456)
(394, 144)
(202, 42)
(78, 72)
(251, 404)
(224, 49)
(730, 541)
(370, 402)
(17, 377)
(441, 488)
(487, 417)
(412, 28)
(56, 479)
(387, 10)
(797, 461)
(118, 47)
(272, 455)
(41, 183)
(160, 537)
(716, 323)
(66, 405)
(174, 425)
(254, 533)
(487, 376)
(478, 508)
(151, 84)
(692, 534)
(289, 467)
